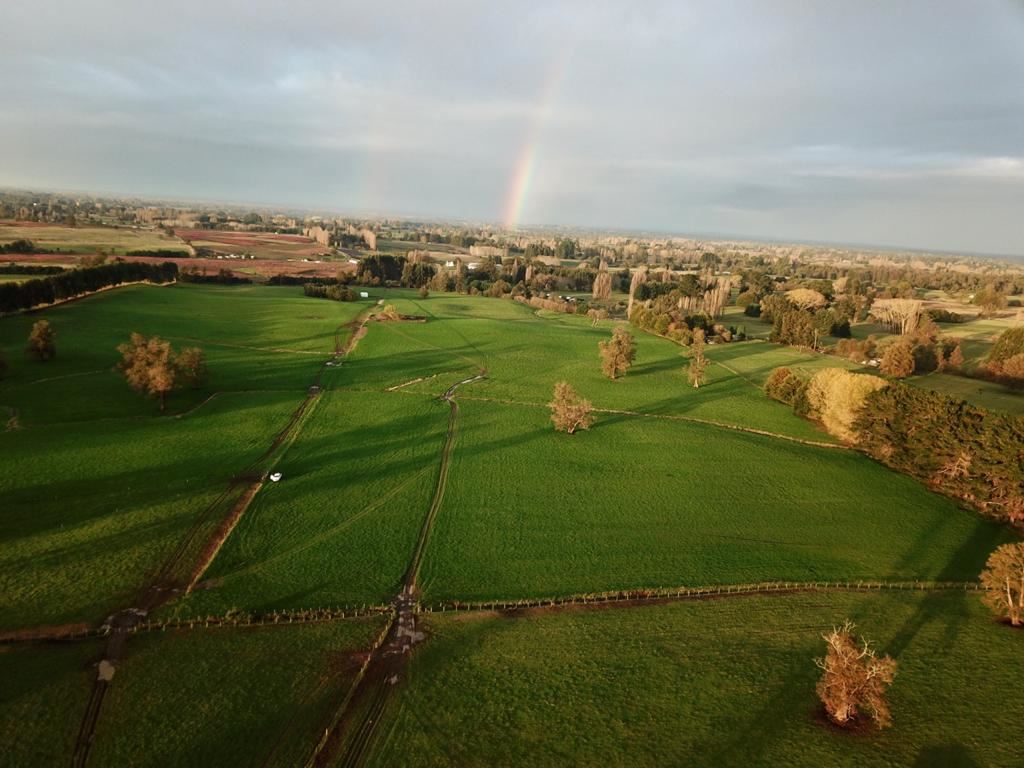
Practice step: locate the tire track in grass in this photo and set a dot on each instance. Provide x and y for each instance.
(163, 585)
(356, 721)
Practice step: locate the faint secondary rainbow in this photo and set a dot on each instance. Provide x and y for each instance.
(522, 172)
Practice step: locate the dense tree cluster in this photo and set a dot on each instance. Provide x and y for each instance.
(11, 268)
(77, 282)
(332, 292)
(962, 451)
(221, 277)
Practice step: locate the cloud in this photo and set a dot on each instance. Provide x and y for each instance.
(841, 121)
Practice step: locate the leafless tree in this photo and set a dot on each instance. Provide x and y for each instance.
(854, 678)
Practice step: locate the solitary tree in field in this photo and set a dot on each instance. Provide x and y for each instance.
(618, 353)
(898, 360)
(854, 679)
(569, 411)
(191, 365)
(1003, 579)
(148, 366)
(42, 341)
(697, 371)
(424, 292)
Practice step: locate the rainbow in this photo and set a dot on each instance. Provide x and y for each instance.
(522, 172)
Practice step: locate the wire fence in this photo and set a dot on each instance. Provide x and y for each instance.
(683, 593)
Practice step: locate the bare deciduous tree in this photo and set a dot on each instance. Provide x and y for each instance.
(602, 285)
(1003, 579)
(854, 678)
(569, 411)
(618, 353)
(42, 341)
(696, 372)
(901, 315)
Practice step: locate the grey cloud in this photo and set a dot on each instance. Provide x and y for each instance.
(843, 121)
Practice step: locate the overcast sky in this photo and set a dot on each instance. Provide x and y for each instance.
(895, 123)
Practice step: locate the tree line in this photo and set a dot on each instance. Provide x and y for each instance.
(77, 282)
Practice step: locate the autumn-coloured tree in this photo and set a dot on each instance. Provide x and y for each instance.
(956, 359)
(424, 292)
(389, 314)
(836, 397)
(898, 359)
(990, 299)
(597, 315)
(148, 366)
(42, 341)
(854, 678)
(806, 298)
(696, 372)
(618, 353)
(569, 411)
(191, 365)
(603, 285)
(1003, 580)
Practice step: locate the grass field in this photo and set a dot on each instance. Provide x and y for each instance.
(90, 239)
(525, 353)
(715, 683)
(672, 486)
(652, 502)
(42, 698)
(100, 485)
(229, 696)
(341, 526)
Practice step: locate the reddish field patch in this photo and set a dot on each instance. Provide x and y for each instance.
(257, 267)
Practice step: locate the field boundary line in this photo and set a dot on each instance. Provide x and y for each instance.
(663, 594)
(676, 417)
(625, 597)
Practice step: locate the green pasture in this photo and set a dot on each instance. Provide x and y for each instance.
(341, 525)
(229, 696)
(717, 683)
(43, 696)
(642, 501)
(99, 485)
(525, 353)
